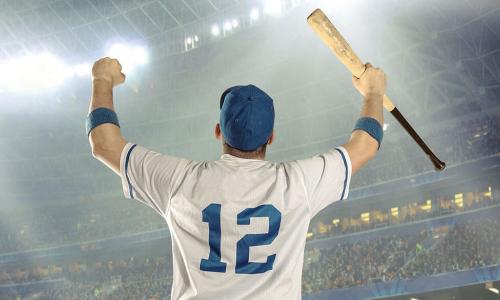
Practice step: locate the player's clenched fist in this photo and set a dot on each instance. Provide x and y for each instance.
(372, 81)
(108, 69)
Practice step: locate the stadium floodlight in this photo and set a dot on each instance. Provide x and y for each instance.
(141, 55)
(32, 73)
(254, 14)
(215, 30)
(191, 42)
(129, 56)
(273, 7)
(228, 26)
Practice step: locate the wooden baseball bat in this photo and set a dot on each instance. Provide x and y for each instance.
(334, 40)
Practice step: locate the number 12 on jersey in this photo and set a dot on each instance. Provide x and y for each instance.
(211, 215)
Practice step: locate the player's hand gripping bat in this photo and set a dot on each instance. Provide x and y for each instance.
(334, 40)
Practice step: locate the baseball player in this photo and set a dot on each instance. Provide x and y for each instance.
(238, 224)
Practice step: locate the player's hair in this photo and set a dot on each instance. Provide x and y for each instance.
(259, 152)
(223, 97)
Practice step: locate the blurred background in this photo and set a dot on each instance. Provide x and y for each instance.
(406, 231)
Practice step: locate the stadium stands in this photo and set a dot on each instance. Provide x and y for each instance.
(67, 233)
(464, 246)
(460, 244)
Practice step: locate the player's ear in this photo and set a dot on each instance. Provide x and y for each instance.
(217, 132)
(271, 139)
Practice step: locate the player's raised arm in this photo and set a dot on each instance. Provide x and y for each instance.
(367, 135)
(102, 123)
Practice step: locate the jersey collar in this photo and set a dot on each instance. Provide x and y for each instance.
(236, 158)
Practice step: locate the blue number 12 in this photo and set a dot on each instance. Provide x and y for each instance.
(211, 215)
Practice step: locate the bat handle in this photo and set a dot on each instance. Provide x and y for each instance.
(438, 164)
(389, 106)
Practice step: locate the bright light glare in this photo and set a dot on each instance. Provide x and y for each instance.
(196, 39)
(33, 72)
(215, 30)
(82, 69)
(385, 126)
(228, 26)
(493, 290)
(189, 40)
(235, 23)
(273, 7)
(129, 56)
(254, 14)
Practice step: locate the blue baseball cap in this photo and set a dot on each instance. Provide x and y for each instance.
(246, 117)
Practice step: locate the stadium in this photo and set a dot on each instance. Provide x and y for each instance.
(405, 231)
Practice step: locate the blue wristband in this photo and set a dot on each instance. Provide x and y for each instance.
(100, 116)
(372, 127)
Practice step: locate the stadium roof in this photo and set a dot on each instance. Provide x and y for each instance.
(442, 58)
(80, 26)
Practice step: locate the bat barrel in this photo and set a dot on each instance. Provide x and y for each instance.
(320, 23)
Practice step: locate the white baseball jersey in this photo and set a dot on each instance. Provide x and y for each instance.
(238, 226)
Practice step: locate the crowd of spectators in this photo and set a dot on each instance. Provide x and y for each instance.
(464, 246)
(344, 264)
(133, 278)
(125, 278)
(350, 264)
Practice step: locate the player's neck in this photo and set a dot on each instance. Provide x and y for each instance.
(243, 154)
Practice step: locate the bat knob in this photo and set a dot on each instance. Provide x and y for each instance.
(439, 165)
